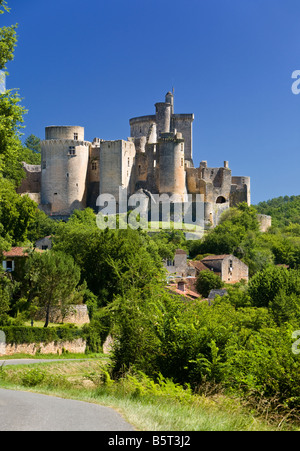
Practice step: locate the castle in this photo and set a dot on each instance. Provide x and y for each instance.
(157, 158)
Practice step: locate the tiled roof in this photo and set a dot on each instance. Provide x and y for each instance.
(187, 293)
(180, 251)
(198, 265)
(18, 252)
(214, 257)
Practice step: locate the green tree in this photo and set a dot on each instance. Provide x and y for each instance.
(17, 213)
(11, 149)
(207, 281)
(267, 284)
(53, 278)
(234, 227)
(12, 152)
(285, 308)
(8, 39)
(135, 317)
(5, 297)
(111, 261)
(33, 143)
(41, 226)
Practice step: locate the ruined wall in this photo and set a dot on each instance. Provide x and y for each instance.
(265, 222)
(240, 190)
(32, 180)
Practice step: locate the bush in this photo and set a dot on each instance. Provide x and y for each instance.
(96, 331)
(208, 281)
(32, 378)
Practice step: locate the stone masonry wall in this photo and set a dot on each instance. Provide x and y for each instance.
(75, 346)
(78, 314)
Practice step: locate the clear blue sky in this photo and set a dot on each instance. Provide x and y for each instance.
(98, 63)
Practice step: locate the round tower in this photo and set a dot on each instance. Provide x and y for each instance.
(65, 157)
(163, 117)
(74, 133)
(170, 100)
(171, 164)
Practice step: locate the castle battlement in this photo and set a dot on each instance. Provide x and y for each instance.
(60, 142)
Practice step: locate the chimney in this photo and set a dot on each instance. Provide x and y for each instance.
(181, 285)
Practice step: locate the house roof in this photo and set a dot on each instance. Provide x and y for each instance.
(188, 293)
(18, 252)
(181, 251)
(198, 265)
(215, 257)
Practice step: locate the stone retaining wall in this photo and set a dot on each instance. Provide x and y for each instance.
(75, 346)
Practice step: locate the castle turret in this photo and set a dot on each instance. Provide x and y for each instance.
(171, 171)
(163, 117)
(170, 100)
(65, 157)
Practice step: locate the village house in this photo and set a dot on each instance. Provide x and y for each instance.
(228, 267)
(44, 243)
(179, 267)
(12, 257)
(14, 260)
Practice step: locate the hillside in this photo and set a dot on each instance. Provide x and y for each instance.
(284, 210)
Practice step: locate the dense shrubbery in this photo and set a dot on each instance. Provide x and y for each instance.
(23, 334)
(241, 349)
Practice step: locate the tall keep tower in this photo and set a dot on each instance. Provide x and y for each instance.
(171, 172)
(65, 159)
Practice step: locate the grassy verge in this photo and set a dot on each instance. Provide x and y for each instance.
(63, 356)
(147, 406)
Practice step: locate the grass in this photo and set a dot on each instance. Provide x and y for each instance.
(147, 406)
(42, 323)
(63, 356)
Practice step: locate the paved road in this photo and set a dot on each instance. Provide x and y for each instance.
(25, 411)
